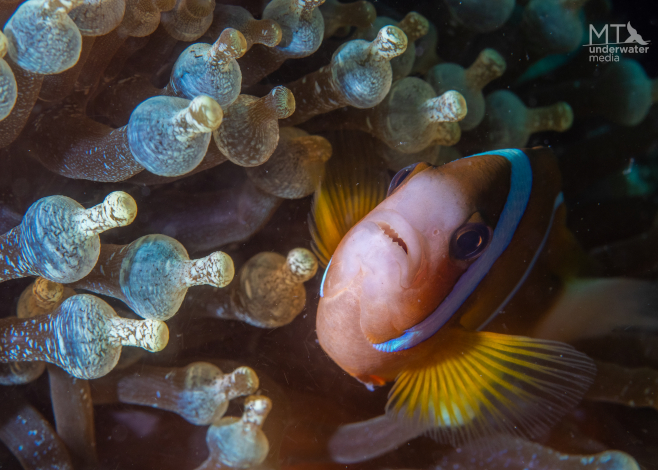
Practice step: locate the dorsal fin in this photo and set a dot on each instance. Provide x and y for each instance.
(355, 181)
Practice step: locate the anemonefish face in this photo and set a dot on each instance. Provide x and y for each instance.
(400, 261)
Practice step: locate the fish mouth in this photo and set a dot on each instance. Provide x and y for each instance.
(393, 235)
(404, 240)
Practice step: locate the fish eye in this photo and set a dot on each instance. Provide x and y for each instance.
(470, 240)
(405, 174)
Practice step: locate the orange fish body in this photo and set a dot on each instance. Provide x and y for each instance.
(411, 284)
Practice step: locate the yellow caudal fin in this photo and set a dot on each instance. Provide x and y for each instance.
(483, 383)
(354, 183)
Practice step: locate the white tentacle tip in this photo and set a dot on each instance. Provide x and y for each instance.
(256, 409)
(389, 43)
(284, 102)
(491, 59)
(232, 42)
(47, 291)
(205, 113)
(154, 335)
(120, 207)
(221, 269)
(244, 381)
(302, 264)
(449, 107)
(216, 269)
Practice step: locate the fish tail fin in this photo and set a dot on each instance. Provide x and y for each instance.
(354, 183)
(485, 383)
(595, 307)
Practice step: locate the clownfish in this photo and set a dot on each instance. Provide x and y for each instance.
(434, 289)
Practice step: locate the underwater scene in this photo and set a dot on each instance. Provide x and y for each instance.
(323, 234)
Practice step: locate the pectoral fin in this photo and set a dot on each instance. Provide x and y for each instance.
(480, 383)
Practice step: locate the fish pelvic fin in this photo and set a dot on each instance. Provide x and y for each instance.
(486, 383)
(352, 187)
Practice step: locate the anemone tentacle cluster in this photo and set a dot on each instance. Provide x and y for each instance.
(219, 122)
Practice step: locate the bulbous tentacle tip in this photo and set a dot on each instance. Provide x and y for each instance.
(317, 147)
(205, 113)
(244, 381)
(47, 291)
(256, 409)
(231, 43)
(117, 210)
(271, 34)
(340, 17)
(240, 442)
(448, 134)
(492, 60)
(283, 101)
(557, 117)
(367, 13)
(216, 269)
(154, 335)
(389, 43)
(564, 115)
(414, 25)
(120, 207)
(449, 107)
(41, 297)
(302, 264)
(488, 66)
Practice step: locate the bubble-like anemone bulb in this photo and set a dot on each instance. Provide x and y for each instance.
(229, 230)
